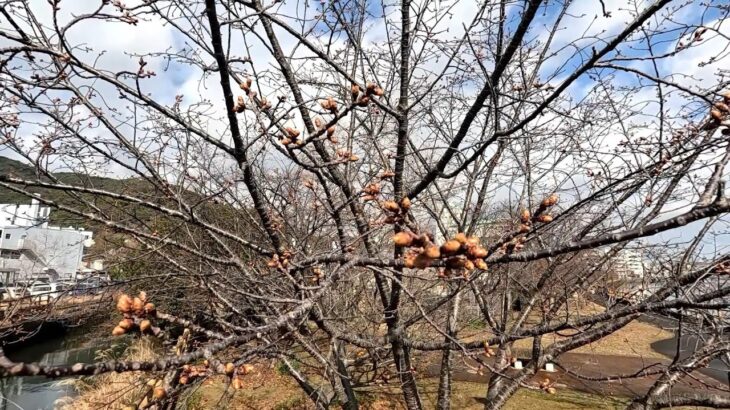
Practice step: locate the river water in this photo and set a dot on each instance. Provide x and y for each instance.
(40, 393)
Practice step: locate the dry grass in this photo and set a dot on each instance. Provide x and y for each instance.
(270, 390)
(113, 390)
(633, 340)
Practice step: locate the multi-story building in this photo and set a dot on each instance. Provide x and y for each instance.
(29, 247)
(24, 214)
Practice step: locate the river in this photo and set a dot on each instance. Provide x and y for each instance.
(40, 393)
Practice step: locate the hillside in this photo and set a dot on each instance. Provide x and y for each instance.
(18, 169)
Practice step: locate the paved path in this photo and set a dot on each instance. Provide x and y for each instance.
(592, 365)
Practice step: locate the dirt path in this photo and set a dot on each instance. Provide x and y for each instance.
(590, 365)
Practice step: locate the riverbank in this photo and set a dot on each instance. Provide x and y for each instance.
(68, 346)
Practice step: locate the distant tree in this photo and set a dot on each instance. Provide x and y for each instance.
(349, 184)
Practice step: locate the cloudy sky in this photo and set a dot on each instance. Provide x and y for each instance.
(116, 46)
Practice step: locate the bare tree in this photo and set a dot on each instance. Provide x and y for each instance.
(346, 185)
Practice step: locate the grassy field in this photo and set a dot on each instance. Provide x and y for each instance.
(267, 389)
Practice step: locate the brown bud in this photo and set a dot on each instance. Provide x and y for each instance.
(469, 265)
(355, 91)
(387, 174)
(432, 251)
(479, 263)
(472, 241)
(184, 379)
(524, 228)
(293, 132)
(378, 91)
(363, 101)
(126, 324)
(246, 369)
(329, 104)
(405, 203)
(246, 84)
(716, 115)
(318, 122)
(403, 239)
(145, 325)
(149, 308)
(159, 393)
(354, 158)
(450, 247)
(124, 304)
(264, 103)
(550, 201)
(525, 216)
(143, 296)
(138, 306)
(545, 218)
(461, 238)
(390, 206)
(551, 390)
(370, 87)
(230, 368)
(722, 107)
(331, 131)
(409, 261)
(477, 252)
(372, 189)
(237, 384)
(118, 331)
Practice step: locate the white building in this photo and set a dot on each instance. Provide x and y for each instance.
(629, 263)
(30, 248)
(24, 214)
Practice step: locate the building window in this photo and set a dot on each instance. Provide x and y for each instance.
(9, 254)
(7, 236)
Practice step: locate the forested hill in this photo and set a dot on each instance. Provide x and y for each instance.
(20, 170)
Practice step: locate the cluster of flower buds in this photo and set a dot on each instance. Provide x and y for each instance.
(696, 37)
(280, 261)
(395, 211)
(237, 374)
(240, 105)
(371, 191)
(346, 155)
(459, 253)
(463, 253)
(191, 372)
(541, 215)
(547, 386)
(330, 105)
(137, 314)
(318, 274)
(363, 99)
(422, 250)
(319, 123)
(387, 174)
(290, 136)
(488, 351)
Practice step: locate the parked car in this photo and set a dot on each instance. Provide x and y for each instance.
(40, 288)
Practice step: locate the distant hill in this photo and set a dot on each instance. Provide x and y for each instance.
(20, 170)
